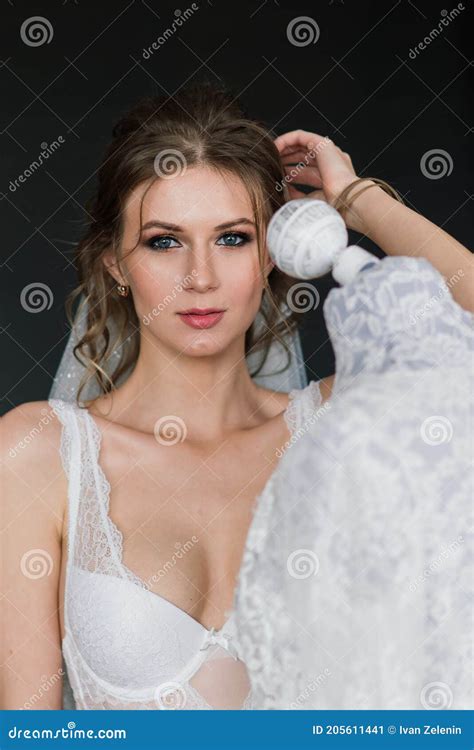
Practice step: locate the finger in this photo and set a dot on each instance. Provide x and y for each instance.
(297, 167)
(299, 138)
(307, 157)
(296, 154)
(296, 149)
(296, 137)
(332, 160)
(308, 175)
(292, 164)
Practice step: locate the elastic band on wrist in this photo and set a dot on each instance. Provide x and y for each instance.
(342, 204)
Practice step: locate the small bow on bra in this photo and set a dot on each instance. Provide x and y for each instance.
(215, 637)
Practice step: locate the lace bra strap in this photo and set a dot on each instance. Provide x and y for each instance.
(96, 479)
(70, 451)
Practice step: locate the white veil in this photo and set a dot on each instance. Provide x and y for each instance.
(70, 371)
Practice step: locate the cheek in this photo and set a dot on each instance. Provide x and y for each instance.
(243, 281)
(154, 288)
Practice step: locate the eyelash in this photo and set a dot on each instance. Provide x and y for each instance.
(149, 243)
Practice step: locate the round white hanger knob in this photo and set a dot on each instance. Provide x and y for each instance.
(305, 237)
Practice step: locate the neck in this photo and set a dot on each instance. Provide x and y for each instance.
(212, 395)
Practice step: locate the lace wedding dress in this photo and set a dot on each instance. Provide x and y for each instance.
(356, 586)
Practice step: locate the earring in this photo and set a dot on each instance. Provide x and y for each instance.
(123, 290)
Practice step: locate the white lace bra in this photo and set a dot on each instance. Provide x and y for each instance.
(126, 647)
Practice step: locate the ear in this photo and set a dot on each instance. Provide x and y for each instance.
(110, 264)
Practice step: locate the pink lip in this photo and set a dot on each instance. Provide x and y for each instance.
(201, 321)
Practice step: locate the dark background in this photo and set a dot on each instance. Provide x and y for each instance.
(357, 84)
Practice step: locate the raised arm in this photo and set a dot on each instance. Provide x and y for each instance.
(398, 230)
(30, 528)
(393, 226)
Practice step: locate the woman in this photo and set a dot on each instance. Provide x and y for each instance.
(175, 255)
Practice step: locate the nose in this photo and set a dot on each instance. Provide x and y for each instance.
(201, 271)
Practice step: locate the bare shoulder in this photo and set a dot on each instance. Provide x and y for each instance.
(30, 439)
(23, 424)
(32, 500)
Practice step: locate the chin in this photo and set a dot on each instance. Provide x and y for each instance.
(201, 346)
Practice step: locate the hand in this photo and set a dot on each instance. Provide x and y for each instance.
(325, 167)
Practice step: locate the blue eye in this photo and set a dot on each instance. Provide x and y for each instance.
(156, 242)
(162, 241)
(242, 235)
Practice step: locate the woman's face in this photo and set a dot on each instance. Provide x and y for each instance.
(194, 264)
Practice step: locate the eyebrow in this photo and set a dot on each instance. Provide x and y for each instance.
(177, 228)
